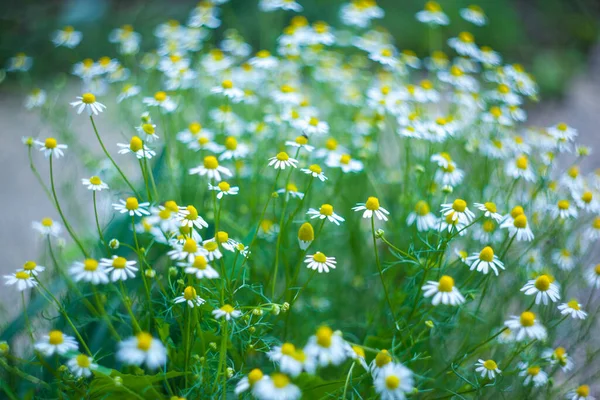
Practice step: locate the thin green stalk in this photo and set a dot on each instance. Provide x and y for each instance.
(37, 175)
(142, 272)
(222, 358)
(136, 325)
(380, 270)
(348, 380)
(98, 224)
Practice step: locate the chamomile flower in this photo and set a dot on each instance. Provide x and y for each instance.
(372, 208)
(282, 160)
(300, 142)
(520, 167)
(89, 271)
(211, 169)
(32, 268)
(249, 381)
(142, 349)
(227, 312)
(450, 176)
(132, 207)
(20, 62)
(277, 387)
(190, 297)
(82, 365)
(526, 326)
(128, 91)
(162, 100)
(119, 268)
(562, 131)
(544, 288)
(320, 262)
(459, 210)
(357, 353)
(47, 227)
(137, 147)
(188, 216)
(484, 261)
(572, 308)
(87, 101)
(291, 190)
(560, 357)
(581, 393)
(432, 14)
(464, 44)
(199, 267)
(186, 251)
(520, 229)
(56, 342)
(315, 171)
(22, 279)
(443, 292)
(488, 368)
(51, 148)
(325, 212)
(148, 131)
(345, 162)
(227, 89)
(268, 230)
(210, 249)
(264, 60)
(564, 259)
(382, 359)
(94, 183)
(533, 374)
(423, 217)
(36, 98)
(490, 210)
(67, 37)
(394, 382)
(326, 347)
(224, 189)
(563, 210)
(290, 359)
(474, 14)
(306, 235)
(592, 275)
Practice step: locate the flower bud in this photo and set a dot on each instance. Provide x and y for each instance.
(257, 311)
(114, 244)
(285, 307)
(212, 345)
(173, 272)
(4, 347)
(150, 273)
(306, 235)
(276, 309)
(118, 381)
(379, 233)
(429, 324)
(229, 372)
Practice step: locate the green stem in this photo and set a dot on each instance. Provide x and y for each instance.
(98, 224)
(380, 270)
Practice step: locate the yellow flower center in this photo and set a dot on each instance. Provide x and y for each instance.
(456, 71)
(190, 246)
(542, 283)
(50, 143)
(195, 127)
(227, 309)
(160, 96)
(89, 264)
(573, 304)
(573, 172)
(29, 266)
(432, 7)
(210, 246)
(94, 180)
(263, 54)
(587, 197)
(522, 162)
(326, 209)
(306, 232)
(527, 319)
(222, 237)
(148, 129)
(359, 351)
(144, 340)
(533, 371)
(200, 262)
(47, 222)
(583, 391)
(563, 205)
(392, 382)
(383, 358)
(313, 121)
(386, 53)
(136, 144)
(231, 143)
(22, 275)
(450, 219)
(224, 186)
(319, 257)
(287, 89)
(491, 207)
(459, 205)
(597, 269)
(83, 361)
(189, 293)
(131, 203)
(422, 208)
(119, 262)
(520, 222)
(283, 156)
(165, 214)
(302, 140)
(372, 203)
(489, 226)
(446, 284)
(88, 98)
(280, 380)
(171, 205)
(565, 253)
(192, 213)
(288, 349)
(55, 337)
(254, 376)
(516, 211)
(466, 37)
(227, 84)
(331, 144)
(490, 365)
(324, 335)
(210, 162)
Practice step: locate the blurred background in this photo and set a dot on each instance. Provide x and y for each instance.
(556, 40)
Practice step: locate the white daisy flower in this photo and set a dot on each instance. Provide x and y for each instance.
(82, 366)
(249, 381)
(264, 60)
(371, 207)
(533, 374)
(188, 216)
(224, 240)
(291, 190)
(51, 148)
(56, 342)
(89, 271)
(464, 44)
(300, 142)
(432, 14)
(47, 227)
(190, 297)
(119, 268)
(581, 393)
(128, 91)
(544, 289)
(162, 100)
(132, 207)
(394, 382)
(277, 387)
(87, 101)
(520, 229)
(490, 210)
(142, 349)
(282, 160)
(36, 98)
(94, 183)
(526, 326)
(572, 308)
(563, 209)
(592, 275)
(488, 368)
(473, 14)
(67, 37)
(315, 171)
(211, 169)
(320, 262)
(520, 167)
(326, 347)
(224, 189)
(186, 251)
(148, 131)
(443, 292)
(227, 312)
(20, 62)
(227, 89)
(381, 360)
(564, 259)
(32, 268)
(459, 211)
(325, 212)
(199, 267)
(484, 261)
(290, 359)
(560, 357)
(343, 161)
(22, 279)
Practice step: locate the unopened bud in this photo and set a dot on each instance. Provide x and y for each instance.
(257, 311)
(118, 381)
(276, 309)
(429, 324)
(150, 273)
(114, 244)
(230, 372)
(285, 307)
(173, 272)
(379, 233)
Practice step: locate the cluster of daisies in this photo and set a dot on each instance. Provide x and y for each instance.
(327, 134)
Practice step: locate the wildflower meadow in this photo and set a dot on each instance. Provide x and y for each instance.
(333, 216)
